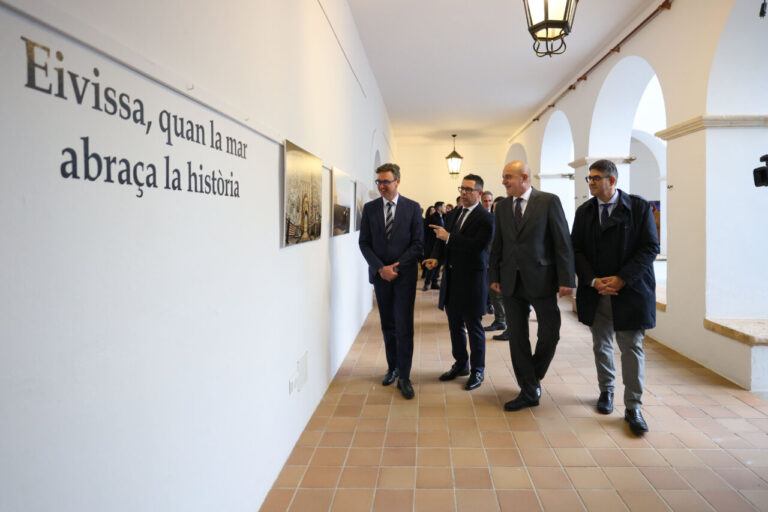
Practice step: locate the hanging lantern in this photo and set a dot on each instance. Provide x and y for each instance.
(549, 21)
(454, 159)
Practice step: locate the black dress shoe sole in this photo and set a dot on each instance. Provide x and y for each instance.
(603, 410)
(520, 405)
(448, 376)
(636, 429)
(501, 337)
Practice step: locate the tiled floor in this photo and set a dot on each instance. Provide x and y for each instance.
(366, 448)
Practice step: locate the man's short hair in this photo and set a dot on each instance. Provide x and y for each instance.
(393, 168)
(606, 167)
(488, 193)
(477, 179)
(439, 204)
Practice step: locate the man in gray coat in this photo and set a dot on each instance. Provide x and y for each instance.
(531, 264)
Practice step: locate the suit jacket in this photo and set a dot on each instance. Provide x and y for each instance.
(465, 256)
(625, 246)
(406, 241)
(540, 249)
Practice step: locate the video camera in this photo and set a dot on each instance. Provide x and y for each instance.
(761, 173)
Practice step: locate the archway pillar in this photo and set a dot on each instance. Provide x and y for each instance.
(581, 171)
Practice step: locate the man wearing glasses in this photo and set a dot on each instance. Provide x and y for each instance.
(531, 264)
(462, 246)
(391, 240)
(615, 243)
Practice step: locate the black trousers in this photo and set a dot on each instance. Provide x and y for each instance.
(396, 300)
(456, 323)
(531, 366)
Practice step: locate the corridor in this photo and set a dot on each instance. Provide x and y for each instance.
(366, 448)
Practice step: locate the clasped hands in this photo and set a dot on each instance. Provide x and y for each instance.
(609, 285)
(389, 272)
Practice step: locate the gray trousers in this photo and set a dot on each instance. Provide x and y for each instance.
(497, 300)
(632, 355)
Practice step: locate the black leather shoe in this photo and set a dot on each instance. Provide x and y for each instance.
(521, 402)
(489, 309)
(435, 286)
(424, 288)
(456, 370)
(636, 422)
(502, 337)
(404, 385)
(605, 402)
(474, 381)
(495, 326)
(389, 377)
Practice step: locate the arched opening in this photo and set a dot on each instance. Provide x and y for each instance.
(555, 175)
(516, 152)
(629, 110)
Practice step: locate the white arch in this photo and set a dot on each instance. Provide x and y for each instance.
(555, 175)
(516, 152)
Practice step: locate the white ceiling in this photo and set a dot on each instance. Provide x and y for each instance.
(467, 66)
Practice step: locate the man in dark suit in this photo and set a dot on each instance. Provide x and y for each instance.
(615, 243)
(432, 275)
(531, 265)
(462, 246)
(391, 240)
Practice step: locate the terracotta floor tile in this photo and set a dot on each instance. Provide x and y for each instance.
(329, 456)
(588, 478)
(338, 439)
(312, 500)
(319, 477)
(309, 438)
(434, 478)
(626, 478)
(399, 457)
(277, 500)
(717, 459)
(609, 457)
(518, 501)
(339, 424)
(729, 501)
(500, 457)
(300, 456)
(403, 424)
(642, 457)
(393, 500)
(549, 478)
(359, 477)
(472, 478)
(602, 501)
(469, 457)
(574, 457)
(352, 500)
(396, 478)
(433, 439)
(560, 500)
(665, 478)
(465, 439)
(564, 440)
(433, 457)
(510, 478)
(681, 458)
(531, 440)
(685, 501)
(742, 479)
(498, 440)
(539, 457)
(476, 500)
(758, 498)
(371, 424)
(434, 500)
(364, 439)
(703, 479)
(364, 457)
(400, 439)
(290, 476)
(645, 501)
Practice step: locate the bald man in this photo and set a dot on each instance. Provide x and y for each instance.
(531, 264)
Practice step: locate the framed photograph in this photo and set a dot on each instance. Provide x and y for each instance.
(342, 201)
(303, 202)
(361, 194)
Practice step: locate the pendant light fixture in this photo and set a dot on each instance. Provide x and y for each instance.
(454, 160)
(549, 21)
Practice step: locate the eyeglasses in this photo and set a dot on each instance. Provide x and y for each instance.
(467, 189)
(594, 179)
(384, 182)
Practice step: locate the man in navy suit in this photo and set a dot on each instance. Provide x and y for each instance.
(615, 244)
(462, 246)
(391, 240)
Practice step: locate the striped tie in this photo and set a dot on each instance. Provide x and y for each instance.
(389, 219)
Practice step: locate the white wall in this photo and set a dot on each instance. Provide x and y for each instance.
(425, 175)
(147, 343)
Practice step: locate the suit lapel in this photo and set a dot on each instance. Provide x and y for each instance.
(532, 203)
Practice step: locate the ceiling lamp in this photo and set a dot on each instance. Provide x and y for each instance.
(454, 160)
(549, 21)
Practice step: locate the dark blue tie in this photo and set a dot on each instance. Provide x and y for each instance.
(389, 219)
(604, 214)
(461, 218)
